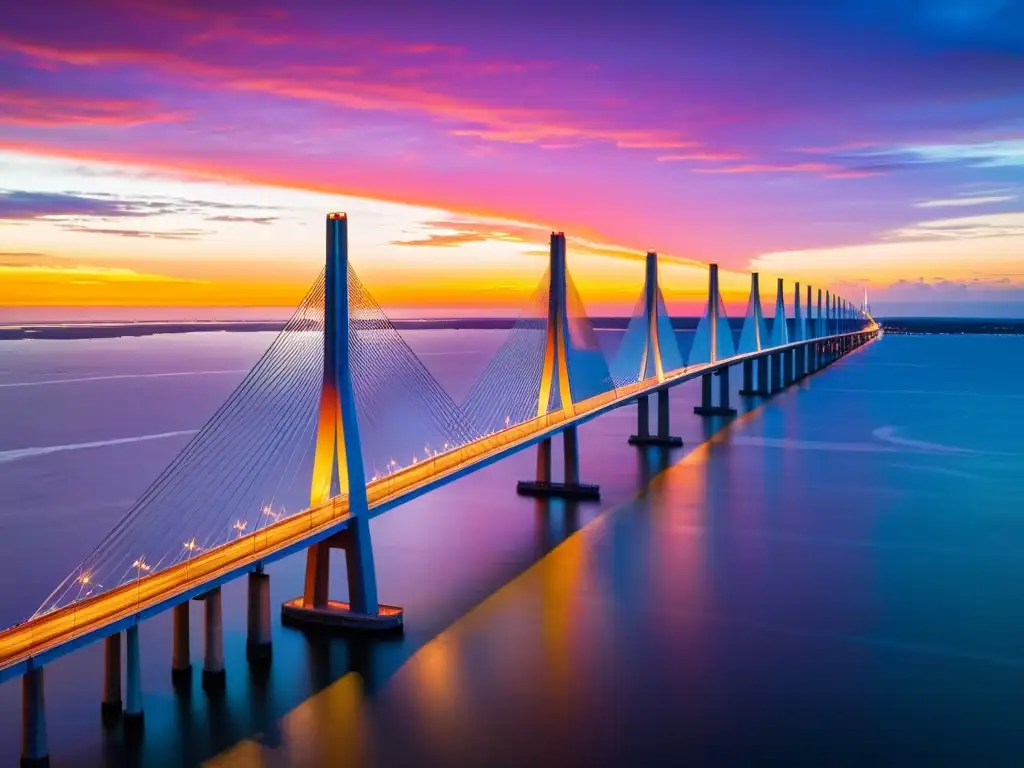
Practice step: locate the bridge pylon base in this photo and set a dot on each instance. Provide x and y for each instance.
(577, 491)
(316, 610)
(665, 441)
(643, 436)
(339, 615)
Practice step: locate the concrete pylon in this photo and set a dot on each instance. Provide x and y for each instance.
(651, 357)
(713, 340)
(799, 329)
(555, 373)
(829, 330)
(780, 329)
(819, 325)
(754, 336)
(338, 467)
(556, 357)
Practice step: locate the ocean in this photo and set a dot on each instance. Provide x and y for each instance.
(834, 577)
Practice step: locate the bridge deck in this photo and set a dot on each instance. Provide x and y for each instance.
(49, 635)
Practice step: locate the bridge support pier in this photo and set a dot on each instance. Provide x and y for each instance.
(761, 390)
(643, 435)
(787, 369)
(111, 706)
(363, 612)
(257, 643)
(706, 407)
(181, 661)
(133, 668)
(572, 488)
(776, 372)
(801, 362)
(214, 675)
(34, 751)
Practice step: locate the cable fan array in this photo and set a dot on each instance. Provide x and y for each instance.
(251, 464)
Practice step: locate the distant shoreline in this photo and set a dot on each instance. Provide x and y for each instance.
(89, 330)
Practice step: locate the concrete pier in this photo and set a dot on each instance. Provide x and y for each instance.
(112, 706)
(787, 370)
(544, 461)
(133, 673)
(34, 750)
(363, 612)
(748, 377)
(801, 362)
(707, 407)
(662, 436)
(777, 372)
(213, 650)
(571, 488)
(257, 643)
(181, 656)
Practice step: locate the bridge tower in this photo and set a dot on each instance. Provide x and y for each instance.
(799, 334)
(338, 468)
(555, 376)
(712, 342)
(754, 338)
(781, 364)
(651, 360)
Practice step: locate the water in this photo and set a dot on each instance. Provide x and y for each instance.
(835, 578)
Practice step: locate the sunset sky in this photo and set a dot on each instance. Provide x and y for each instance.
(184, 153)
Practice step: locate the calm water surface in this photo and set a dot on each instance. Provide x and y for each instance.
(836, 577)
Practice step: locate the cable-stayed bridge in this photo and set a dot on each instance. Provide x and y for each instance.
(340, 421)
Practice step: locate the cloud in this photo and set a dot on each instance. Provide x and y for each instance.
(23, 206)
(700, 157)
(462, 232)
(169, 234)
(244, 219)
(826, 170)
(962, 228)
(963, 201)
(63, 110)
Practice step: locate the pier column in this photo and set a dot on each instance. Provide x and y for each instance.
(213, 651)
(181, 657)
(663, 429)
(544, 461)
(787, 376)
(661, 436)
(571, 453)
(763, 365)
(705, 393)
(748, 376)
(643, 417)
(111, 705)
(34, 750)
(776, 372)
(801, 361)
(258, 644)
(723, 390)
(133, 674)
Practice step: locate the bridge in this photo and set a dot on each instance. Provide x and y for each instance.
(341, 421)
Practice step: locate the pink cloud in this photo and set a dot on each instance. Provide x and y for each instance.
(63, 111)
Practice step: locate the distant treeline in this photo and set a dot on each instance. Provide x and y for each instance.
(949, 325)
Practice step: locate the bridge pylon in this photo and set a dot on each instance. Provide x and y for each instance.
(555, 377)
(338, 468)
(754, 338)
(782, 363)
(799, 334)
(712, 342)
(652, 362)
